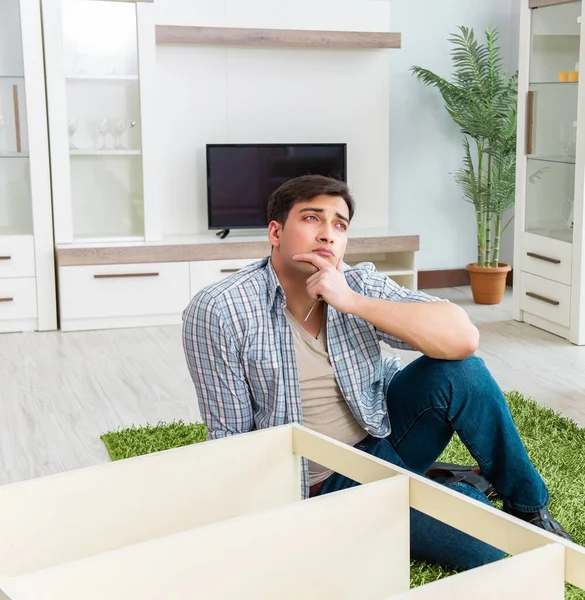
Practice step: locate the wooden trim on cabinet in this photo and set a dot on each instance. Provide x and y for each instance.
(442, 278)
(112, 255)
(529, 121)
(541, 3)
(17, 118)
(300, 38)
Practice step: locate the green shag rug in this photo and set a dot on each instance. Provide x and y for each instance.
(556, 446)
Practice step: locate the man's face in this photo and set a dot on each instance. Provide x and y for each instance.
(319, 225)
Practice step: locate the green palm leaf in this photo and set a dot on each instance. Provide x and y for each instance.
(482, 101)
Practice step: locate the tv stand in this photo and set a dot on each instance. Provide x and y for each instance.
(223, 233)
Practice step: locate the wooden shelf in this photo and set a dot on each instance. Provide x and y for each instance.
(217, 249)
(234, 36)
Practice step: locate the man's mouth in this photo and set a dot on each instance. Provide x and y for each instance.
(325, 252)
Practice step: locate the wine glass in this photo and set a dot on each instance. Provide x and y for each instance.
(103, 129)
(120, 126)
(72, 128)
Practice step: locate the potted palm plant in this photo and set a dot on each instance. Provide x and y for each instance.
(482, 100)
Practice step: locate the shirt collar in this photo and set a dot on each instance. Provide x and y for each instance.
(273, 283)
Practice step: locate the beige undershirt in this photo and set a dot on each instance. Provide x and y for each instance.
(324, 407)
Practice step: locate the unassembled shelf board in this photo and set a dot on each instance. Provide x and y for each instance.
(141, 528)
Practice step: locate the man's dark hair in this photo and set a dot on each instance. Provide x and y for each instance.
(302, 189)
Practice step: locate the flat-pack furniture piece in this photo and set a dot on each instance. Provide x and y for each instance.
(27, 271)
(549, 270)
(226, 519)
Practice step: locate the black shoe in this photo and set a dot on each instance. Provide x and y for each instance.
(446, 473)
(542, 519)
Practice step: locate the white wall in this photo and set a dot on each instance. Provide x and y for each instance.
(400, 159)
(214, 94)
(425, 146)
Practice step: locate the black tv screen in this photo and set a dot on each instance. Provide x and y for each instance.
(241, 177)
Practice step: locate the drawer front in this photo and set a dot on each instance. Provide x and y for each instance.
(93, 292)
(206, 272)
(18, 299)
(17, 256)
(547, 257)
(545, 298)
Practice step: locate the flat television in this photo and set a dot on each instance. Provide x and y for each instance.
(241, 177)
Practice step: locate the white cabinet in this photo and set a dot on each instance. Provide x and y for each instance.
(100, 74)
(549, 229)
(123, 295)
(27, 274)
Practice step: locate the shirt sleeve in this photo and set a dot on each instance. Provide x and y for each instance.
(381, 286)
(213, 361)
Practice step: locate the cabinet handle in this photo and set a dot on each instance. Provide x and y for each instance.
(529, 121)
(120, 275)
(6, 299)
(6, 257)
(554, 261)
(543, 298)
(229, 270)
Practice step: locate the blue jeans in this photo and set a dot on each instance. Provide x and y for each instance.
(427, 401)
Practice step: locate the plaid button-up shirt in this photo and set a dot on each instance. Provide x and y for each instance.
(240, 353)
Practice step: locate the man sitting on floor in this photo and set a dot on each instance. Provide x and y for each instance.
(296, 337)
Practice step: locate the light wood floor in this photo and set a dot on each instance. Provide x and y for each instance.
(60, 391)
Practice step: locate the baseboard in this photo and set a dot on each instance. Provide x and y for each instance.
(444, 278)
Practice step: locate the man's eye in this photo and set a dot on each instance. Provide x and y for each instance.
(310, 217)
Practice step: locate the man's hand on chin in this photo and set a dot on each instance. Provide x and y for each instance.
(329, 283)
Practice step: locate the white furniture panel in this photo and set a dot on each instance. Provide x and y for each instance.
(206, 272)
(26, 227)
(17, 256)
(99, 91)
(550, 175)
(308, 550)
(165, 524)
(547, 257)
(546, 299)
(123, 295)
(510, 579)
(18, 304)
(65, 517)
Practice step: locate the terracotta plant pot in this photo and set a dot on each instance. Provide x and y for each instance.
(488, 283)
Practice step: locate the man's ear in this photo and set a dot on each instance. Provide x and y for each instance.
(274, 233)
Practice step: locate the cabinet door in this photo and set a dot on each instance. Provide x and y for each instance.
(25, 184)
(551, 144)
(94, 79)
(15, 192)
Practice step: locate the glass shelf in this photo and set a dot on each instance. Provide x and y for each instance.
(11, 76)
(87, 77)
(105, 152)
(13, 155)
(553, 159)
(560, 84)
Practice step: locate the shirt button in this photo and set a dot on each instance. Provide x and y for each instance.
(337, 359)
(347, 397)
(331, 318)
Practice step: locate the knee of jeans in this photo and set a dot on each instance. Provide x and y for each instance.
(469, 491)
